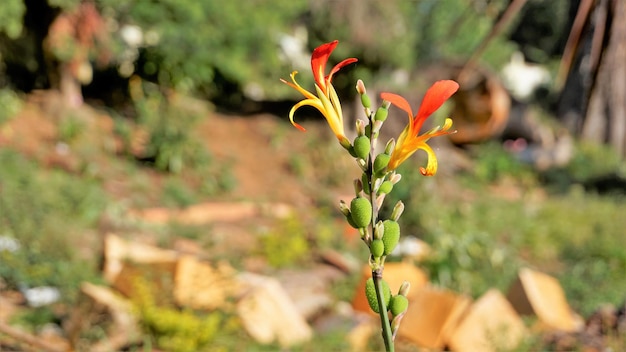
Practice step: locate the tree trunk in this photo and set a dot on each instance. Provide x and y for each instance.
(593, 100)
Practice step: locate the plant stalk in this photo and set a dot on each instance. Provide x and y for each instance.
(377, 272)
(377, 276)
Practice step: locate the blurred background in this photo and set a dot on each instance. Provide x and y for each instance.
(163, 126)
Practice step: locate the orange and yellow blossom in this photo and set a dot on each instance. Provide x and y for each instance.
(409, 140)
(326, 100)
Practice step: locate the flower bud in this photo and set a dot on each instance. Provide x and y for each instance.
(397, 211)
(398, 305)
(377, 247)
(380, 163)
(361, 211)
(389, 146)
(360, 87)
(404, 289)
(343, 207)
(370, 293)
(391, 235)
(360, 127)
(379, 230)
(362, 147)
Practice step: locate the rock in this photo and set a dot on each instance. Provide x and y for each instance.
(309, 290)
(536, 293)
(490, 324)
(268, 314)
(101, 306)
(200, 285)
(205, 213)
(117, 251)
(431, 316)
(395, 274)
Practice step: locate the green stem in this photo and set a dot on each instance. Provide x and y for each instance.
(377, 272)
(377, 276)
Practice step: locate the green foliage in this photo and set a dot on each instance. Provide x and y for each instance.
(70, 127)
(202, 42)
(592, 160)
(10, 104)
(494, 163)
(43, 211)
(11, 14)
(175, 330)
(287, 244)
(170, 125)
(34, 318)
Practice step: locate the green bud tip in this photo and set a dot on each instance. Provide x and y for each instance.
(365, 101)
(381, 113)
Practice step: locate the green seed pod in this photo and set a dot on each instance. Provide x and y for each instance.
(377, 248)
(370, 293)
(381, 114)
(365, 101)
(361, 211)
(391, 236)
(398, 305)
(380, 163)
(385, 187)
(362, 147)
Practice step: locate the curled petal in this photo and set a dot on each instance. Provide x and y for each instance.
(431, 164)
(316, 103)
(297, 87)
(337, 67)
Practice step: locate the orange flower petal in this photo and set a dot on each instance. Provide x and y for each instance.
(318, 62)
(398, 101)
(435, 96)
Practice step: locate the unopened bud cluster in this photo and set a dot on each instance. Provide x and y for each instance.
(376, 181)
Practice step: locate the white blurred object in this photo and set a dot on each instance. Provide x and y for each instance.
(522, 78)
(9, 244)
(412, 247)
(40, 296)
(293, 48)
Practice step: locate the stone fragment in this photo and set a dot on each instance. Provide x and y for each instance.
(432, 314)
(536, 293)
(268, 314)
(200, 285)
(490, 324)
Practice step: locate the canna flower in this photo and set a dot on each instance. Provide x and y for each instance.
(409, 140)
(326, 100)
